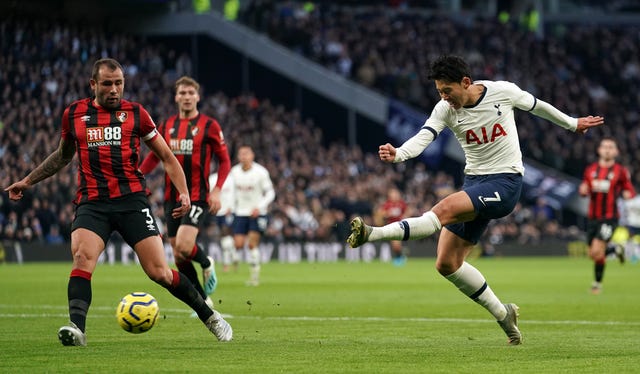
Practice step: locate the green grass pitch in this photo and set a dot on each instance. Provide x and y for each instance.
(335, 318)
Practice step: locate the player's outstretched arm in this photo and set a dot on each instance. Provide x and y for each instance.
(585, 123)
(60, 158)
(176, 174)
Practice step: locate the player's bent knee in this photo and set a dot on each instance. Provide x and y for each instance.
(446, 268)
(83, 259)
(180, 256)
(161, 276)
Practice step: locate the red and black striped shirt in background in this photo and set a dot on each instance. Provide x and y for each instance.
(193, 141)
(108, 147)
(605, 187)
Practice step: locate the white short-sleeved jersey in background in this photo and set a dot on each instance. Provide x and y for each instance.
(487, 130)
(252, 189)
(226, 194)
(632, 209)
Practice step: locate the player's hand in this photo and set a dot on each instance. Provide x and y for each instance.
(15, 190)
(183, 208)
(387, 152)
(583, 189)
(585, 123)
(214, 201)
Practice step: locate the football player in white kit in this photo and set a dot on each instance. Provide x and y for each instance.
(253, 192)
(632, 210)
(481, 115)
(224, 221)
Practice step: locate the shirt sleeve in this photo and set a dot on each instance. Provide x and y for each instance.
(269, 193)
(586, 177)
(66, 126)
(148, 128)
(523, 100)
(626, 182)
(149, 163)
(415, 145)
(219, 147)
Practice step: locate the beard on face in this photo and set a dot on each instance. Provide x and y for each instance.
(107, 101)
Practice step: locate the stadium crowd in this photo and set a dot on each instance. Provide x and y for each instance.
(577, 68)
(39, 69)
(318, 187)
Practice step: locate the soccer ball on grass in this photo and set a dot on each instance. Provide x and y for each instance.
(137, 312)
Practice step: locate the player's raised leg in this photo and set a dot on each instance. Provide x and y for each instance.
(408, 228)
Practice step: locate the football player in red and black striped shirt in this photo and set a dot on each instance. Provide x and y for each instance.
(194, 139)
(604, 182)
(105, 131)
(394, 210)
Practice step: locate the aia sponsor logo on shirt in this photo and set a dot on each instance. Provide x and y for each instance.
(486, 135)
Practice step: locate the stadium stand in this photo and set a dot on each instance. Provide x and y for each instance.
(319, 186)
(388, 49)
(39, 73)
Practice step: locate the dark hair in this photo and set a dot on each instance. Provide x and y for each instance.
(108, 62)
(450, 69)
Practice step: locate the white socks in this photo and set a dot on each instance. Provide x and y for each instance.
(471, 283)
(467, 278)
(254, 265)
(226, 243)
(409, 228)
(254, 256)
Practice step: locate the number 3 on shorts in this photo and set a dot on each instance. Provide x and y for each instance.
(149, 221)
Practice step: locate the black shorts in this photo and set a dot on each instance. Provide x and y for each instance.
(601, 229)
(197, 216)
(129, 215)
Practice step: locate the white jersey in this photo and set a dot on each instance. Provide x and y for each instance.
(487, 130)
(252, 189)
(226, 194)
(632, 209)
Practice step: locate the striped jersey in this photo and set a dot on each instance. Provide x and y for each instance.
(193, 141)
(108, 147)
(393, 210)
(605, 187)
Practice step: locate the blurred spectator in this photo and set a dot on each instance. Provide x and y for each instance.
(389, 49)
(41, 61)
(54, 236)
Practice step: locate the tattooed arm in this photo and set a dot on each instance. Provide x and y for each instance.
(60, 158)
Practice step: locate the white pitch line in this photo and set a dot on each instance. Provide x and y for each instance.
(428, 320)
(35, 314)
